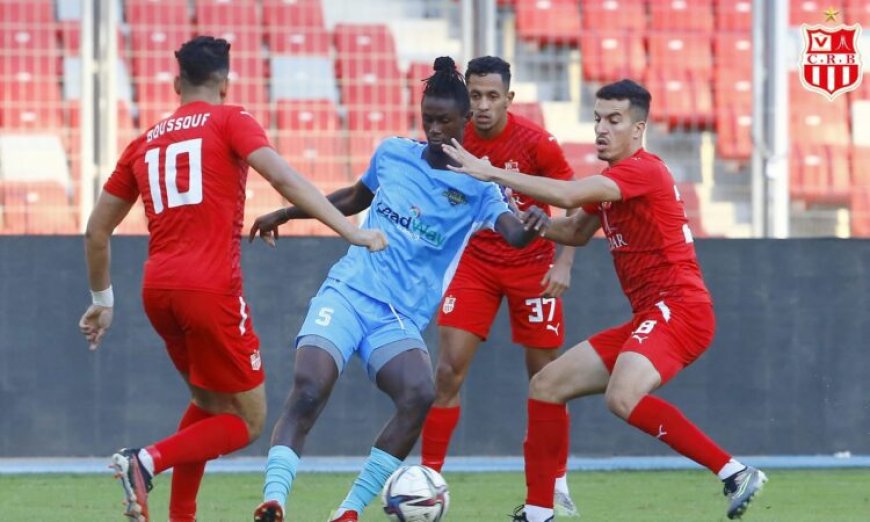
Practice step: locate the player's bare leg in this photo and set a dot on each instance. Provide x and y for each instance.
(407, 380)
(456, 350)
(314, 375)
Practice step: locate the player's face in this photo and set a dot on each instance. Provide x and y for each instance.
(617, 135)
(490, 100)
(442, 121)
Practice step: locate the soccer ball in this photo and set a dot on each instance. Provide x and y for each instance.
(415, 494)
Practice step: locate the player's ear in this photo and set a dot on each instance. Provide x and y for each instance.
(176, 84)
(510, 98)
(223, 86)
(639, 127)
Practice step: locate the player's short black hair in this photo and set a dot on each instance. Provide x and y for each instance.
(202, 57)
(447, 82)
(638, 97)
(483, 65)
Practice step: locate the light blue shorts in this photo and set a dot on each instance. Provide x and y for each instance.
(344, 322)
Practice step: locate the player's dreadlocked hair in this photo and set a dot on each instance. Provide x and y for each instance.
(447, 82)
(638, 97)
(483, 65)
(201, 58)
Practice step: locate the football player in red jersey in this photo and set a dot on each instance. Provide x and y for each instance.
(638, 205)
(532, 279)
(190, 170)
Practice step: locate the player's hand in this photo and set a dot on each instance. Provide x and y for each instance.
(556, 280)
(374, 240)
(94, 324)
(470, 164)
(267, 227)
(534, 218)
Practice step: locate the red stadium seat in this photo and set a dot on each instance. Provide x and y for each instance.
(820, 174)
(734, 124)
(583, 159)
(308, 115)
(807, 12)
(815, 120)
(681, 15)
(858, 12)
(36, 117)
(37, 208)
(30, 40)
(17, 12)
(860, 194)
(532, 111)
(675, 52)
(683, 100)
(733, 15)
(166, 14)
(364, 40)
(613, 55)
(296, 27)
(417, 72)
(692, 205)
(549, 21)
(608, 15)
(240, 14)
(732, 53)
(311, 138)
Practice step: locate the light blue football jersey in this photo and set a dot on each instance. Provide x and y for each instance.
(428, 215)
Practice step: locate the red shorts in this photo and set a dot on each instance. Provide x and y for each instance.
(209, 337)
(671, 336)
(475, 294)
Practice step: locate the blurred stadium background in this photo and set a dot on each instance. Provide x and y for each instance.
(330, 78)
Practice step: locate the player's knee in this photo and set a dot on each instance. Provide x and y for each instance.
(541, 389)
(307, 397)
(620, 401)
(448, 378)
(417, 399)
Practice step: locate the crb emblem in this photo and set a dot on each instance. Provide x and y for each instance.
(449, 302)
(512, 166)
(831, 61)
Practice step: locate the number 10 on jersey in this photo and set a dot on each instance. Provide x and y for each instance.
(174, 198)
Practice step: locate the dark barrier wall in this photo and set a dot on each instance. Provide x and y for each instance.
(788, 373)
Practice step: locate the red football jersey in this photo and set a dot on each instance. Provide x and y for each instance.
(190, 170)
(648, 233)
(524, 147)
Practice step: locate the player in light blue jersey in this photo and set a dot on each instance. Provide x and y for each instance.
(376, 306)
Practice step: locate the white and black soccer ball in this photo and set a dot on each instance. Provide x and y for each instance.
(415, 494)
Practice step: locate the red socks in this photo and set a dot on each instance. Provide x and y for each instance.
(186, 477)
(545, 450)
(562, 470)
(437, 431)
(205, 440)
(664, 421)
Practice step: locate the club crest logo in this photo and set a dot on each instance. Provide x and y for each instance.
(830, 63)
(256, 362)
(455, 197)
(449, 303)
(512, 166)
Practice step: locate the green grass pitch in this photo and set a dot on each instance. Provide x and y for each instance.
(666, 496)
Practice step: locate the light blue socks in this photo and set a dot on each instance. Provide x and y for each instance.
(280, 472)
(377, 469)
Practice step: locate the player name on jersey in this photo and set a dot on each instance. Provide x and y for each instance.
(190, 121)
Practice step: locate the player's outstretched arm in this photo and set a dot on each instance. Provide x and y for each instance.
(348, 200)
(107, 214)
(520, 230)
(574, 230)
(561, 193)
(308, 199)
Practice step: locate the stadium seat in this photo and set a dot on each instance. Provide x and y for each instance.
(681, 15)
(612, 55)
(672, 53)
(734, 125)
(417, 72)
(154, 49)
(692, 205)
(733, 15)
(70, 38)
(732, 55)
(239, 14)
(815, 120)
(548, 21)
(27, 13)
(583, 159)
(296, 28)
(532, 111)
(820, 174)
(858, 12)
(608, 15)
(860, 195)
(302, 78)
(807, 12)
(364, 41)
(164, 14)
(37, 208)
(683, 100)
(311, 138)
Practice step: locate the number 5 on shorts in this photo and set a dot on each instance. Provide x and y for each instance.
(324, 316)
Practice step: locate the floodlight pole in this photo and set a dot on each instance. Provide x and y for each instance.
(87, 183)
(478, 27)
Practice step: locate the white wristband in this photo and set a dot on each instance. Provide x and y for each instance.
(103, 297)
